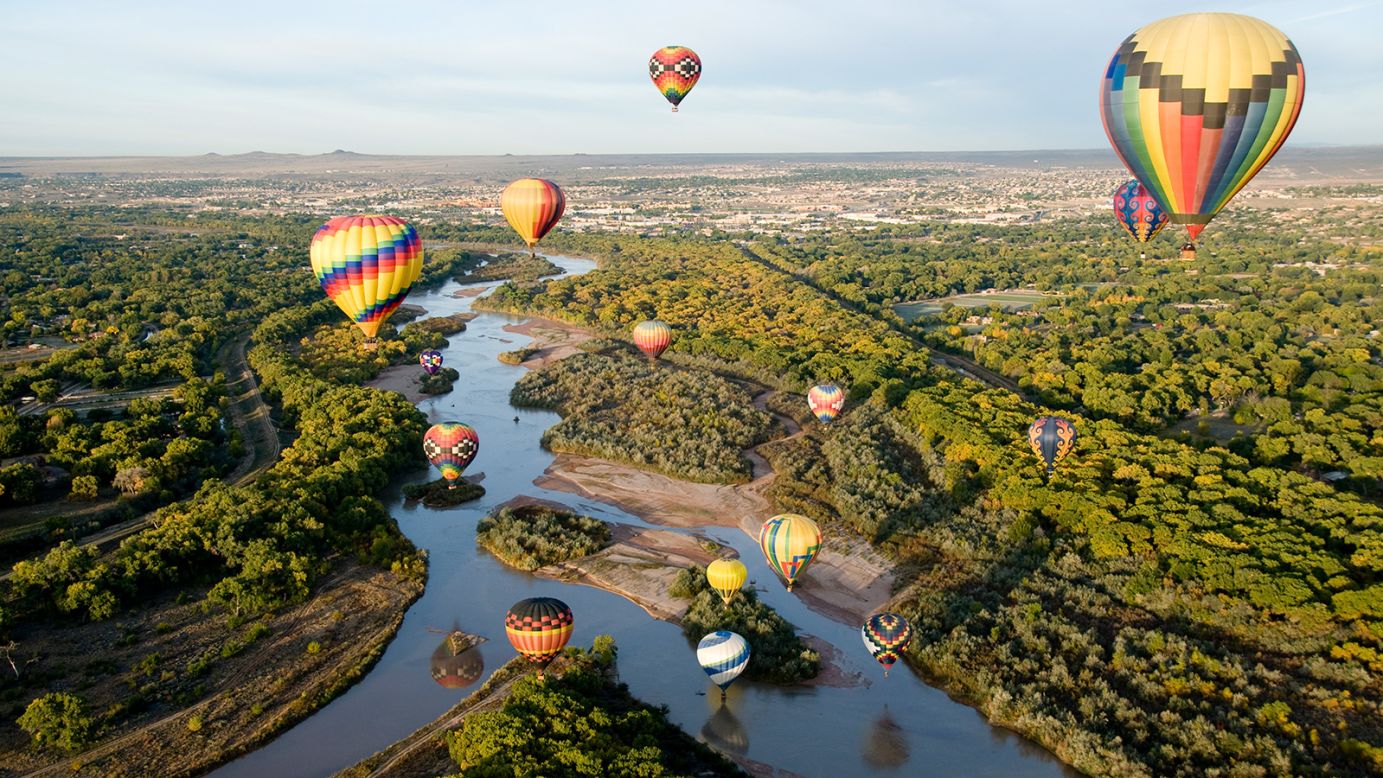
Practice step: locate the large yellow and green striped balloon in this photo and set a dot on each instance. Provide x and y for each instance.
(1196, 105)
(366, 264)
(790, 542)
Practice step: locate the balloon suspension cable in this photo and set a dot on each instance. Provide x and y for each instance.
(722, 695)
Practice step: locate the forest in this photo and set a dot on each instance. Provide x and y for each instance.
(618, 406)
(1198, 606)
(528, 537)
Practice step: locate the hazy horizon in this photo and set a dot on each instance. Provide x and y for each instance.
(428, 78)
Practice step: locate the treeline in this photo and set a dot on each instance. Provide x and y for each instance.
(579, 721)
(1156, 608)
(532, 536)
(776, 653)
(617, 406)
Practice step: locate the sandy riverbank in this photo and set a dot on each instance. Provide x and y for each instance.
(404, 379)
(552, 340)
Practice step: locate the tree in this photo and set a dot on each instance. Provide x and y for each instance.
(46, 390)
(57, 721)
(84, 488)
(132, 480)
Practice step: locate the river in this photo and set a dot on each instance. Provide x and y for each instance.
(894, 726)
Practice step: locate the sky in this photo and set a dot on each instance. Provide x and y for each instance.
(538, 77)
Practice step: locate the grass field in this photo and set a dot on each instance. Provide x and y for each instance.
(1011, 299)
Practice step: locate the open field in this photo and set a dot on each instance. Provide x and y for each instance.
(1008, 299)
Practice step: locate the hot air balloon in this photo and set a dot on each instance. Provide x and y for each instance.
(366, 265)
(723, 655)
(826, 401)
(533, 206)
(539, 628)
(1138, 212)
(886, 635)
(1196, 105)
(674, 70)
(790, 542)
(1051, 438)
(456, 667)
(431, 360)
(652, 338)
(726, 576)
(450, 447)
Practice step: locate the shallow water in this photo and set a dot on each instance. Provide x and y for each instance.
(894, 726)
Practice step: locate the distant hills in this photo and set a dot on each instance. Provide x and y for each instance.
(1353, 163)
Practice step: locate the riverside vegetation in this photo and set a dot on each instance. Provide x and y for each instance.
(617, 406)
(1157, 607)
(528, 537)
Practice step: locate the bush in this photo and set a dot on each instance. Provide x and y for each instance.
(57, 721)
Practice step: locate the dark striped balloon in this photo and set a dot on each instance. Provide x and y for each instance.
(652, 338)
(539, 628)
(1051, 438)
(886, 635)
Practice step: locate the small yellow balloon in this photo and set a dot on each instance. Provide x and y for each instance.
(726, 576)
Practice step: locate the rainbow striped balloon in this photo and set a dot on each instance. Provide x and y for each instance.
(826, 401)
(1137, 211)
(723, 655)
(886, 635)
(539, 628)
(450, 447)
(1196, 105)
(790, 542)
(533, 207)
(366, 265)
(652, 338)
(674, 70)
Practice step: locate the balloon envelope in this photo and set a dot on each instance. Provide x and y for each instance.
(886, 635)
(1137, 211)
(1051, 438)
(674, 70)
(826, 401)
(726, 576)
(1196, 105)
(790, 542)
(532, 206)
(652, 338)
(431, 361)
(450, 447)
(723, 655)
(539, 628)
(366, 264)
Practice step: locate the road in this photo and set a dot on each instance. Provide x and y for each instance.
(79, 396)
(963, 365)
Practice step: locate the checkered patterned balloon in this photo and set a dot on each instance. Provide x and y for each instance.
(450, 446)
(431, 360)
(539, 628)
(674, 70)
